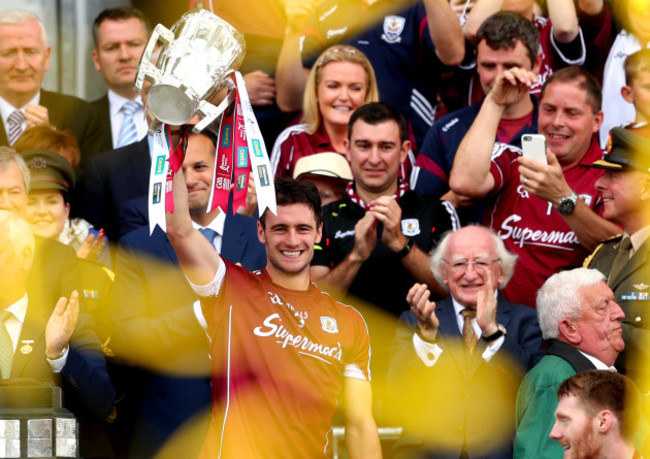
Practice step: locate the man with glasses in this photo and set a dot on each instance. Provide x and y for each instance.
(467, 352)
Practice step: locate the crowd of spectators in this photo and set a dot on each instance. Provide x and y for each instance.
(494, 287)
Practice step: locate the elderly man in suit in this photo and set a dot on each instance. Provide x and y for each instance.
(46, 339)
(582, 325)
(464, 354)
(625, 259)
(156, 329)
(24, 59)
(120, 35)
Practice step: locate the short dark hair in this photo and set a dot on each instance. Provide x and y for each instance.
(504, 29)
(288, 191)
(119, 14)
(378, 112)
(585, 80)
(600, 390)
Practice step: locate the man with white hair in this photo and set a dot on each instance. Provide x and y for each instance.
(24, 60)
(582, 323)
(49, 341)
(468, 351)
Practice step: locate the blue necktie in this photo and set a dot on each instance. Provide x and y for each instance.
(128, 132)
(15, 125)
(6, 346)
(209, 234)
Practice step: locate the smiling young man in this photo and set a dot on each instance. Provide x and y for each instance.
(597, 416)
(548, 214)
(582, 323)
(377, 238)
(120, 35)
(282, 350)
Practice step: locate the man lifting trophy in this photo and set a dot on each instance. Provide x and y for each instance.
(196, 59)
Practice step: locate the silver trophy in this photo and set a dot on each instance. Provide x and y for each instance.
(195, 59)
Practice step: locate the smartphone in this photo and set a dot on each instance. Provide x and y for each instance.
(534, 146)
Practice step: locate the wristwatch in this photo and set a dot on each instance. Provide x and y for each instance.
(407, 248)
(567, 204)
(501, 331)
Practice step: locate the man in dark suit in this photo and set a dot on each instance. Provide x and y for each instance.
(111, 179)
(625, 259)
(120, 35)
(25, 59)
(458, 361)
(155, 325)
(57, 346)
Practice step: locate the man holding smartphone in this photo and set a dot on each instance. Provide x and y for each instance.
(549, 214)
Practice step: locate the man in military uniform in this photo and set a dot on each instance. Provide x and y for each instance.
(625, 259)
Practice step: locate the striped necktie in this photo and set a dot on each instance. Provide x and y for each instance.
(128, 132)
(6, 346)
(15, 124)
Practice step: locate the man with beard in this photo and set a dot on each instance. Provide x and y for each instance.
(597, 416)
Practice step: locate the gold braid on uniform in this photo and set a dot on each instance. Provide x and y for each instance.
(587, 261)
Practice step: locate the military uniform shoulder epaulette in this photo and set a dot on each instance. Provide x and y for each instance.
(603, 243)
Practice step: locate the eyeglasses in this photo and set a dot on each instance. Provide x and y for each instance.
(479, 264)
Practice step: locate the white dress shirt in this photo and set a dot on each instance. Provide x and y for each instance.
(430, 352)
(115, 104)
(6, 109)
(14, 326)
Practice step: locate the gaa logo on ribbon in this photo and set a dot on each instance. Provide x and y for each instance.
(242, 157)
(257, 148)
(157, 192)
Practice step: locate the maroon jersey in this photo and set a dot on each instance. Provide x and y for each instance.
(294, 143)
(278, 361)
(531, 227)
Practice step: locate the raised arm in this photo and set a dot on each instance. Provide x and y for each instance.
(470, 174)
(564, 18)
(446, 32)
(482, 10)
(195, 254)
(290, 75)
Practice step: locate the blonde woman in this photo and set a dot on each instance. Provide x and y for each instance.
(340, 81)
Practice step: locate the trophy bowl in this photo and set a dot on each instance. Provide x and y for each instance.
(194, 60)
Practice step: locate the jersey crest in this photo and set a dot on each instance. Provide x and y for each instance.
(393, 28)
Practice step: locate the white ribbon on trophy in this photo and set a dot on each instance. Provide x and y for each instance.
(197, 58)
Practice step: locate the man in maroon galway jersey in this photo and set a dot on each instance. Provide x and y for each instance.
(282, 350)
(548, 214)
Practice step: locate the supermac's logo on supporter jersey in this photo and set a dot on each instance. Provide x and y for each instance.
(273, 327)
(564, 240)
(393, 28)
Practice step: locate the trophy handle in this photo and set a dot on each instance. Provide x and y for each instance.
(209, 112)
(147, 69)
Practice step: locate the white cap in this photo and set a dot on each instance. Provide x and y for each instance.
(326, 164)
